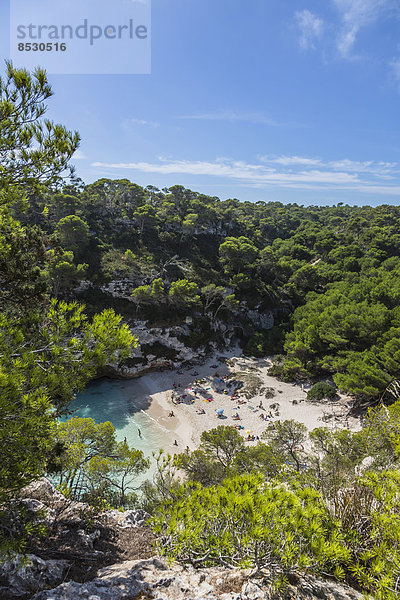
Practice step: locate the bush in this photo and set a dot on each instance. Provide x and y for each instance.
(255, 346)
(321, 391)
(246, 522)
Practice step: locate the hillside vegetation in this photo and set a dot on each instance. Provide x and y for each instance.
(330, 276)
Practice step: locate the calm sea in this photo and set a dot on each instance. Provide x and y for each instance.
(123, 402)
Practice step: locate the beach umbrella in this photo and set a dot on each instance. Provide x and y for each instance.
(249, 432)
(219, 411)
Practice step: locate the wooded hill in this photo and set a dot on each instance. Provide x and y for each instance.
(330, 276)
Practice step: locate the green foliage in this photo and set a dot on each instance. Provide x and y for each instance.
(321, 391)
(157, 290)
(117, 264)
(40, 370)
(337, 515)
(63, 272)
(333, 466)
(61, 205)
(213, 295)
(26, 435)
(247, 522)
(214, 459)
(93, 465)
(141, 295)
(18, 526)
(48, 350)
(222, 453)
(255, 345)
(287, 439)
(376, 544)
(164, 485)
(381, 434)
(183, 293)
(329, 274)
(222, 443)
(237, 253)
(23, 276)
(33, 151)
(73, 233)
(347, 331)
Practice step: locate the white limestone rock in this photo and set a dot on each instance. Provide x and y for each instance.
(153, 579)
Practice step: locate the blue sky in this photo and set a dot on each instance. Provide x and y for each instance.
(288, 100)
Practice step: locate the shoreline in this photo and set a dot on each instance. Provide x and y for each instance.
(208, 387)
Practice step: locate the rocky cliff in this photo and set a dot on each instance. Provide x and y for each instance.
(166, 347)
(171, 345)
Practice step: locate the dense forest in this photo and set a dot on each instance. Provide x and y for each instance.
(328, 277)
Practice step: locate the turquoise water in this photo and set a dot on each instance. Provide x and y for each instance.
(123, 403)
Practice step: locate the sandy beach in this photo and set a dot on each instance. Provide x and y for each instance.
(194, 395)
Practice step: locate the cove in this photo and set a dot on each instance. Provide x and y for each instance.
(123, 403)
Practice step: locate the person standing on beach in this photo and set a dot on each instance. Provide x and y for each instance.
(139, 432)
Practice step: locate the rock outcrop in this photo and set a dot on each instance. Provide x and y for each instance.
(42, 495)
(160, 348)
(153, 580)
(77, 544)
(20, 577)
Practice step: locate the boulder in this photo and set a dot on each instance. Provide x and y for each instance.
(55, 504)
(41, 511)
(86, 540)
(125, 519)
(42, 490)
(20, 577)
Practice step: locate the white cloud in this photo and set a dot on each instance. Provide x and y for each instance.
(356, 14)
(378, 169)
(133, 122)
(291, 160)
(232, 115)
(285, 172)
(311, 28)
(78, 155)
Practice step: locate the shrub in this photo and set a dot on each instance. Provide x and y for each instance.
(246, 522)
(321, 391)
